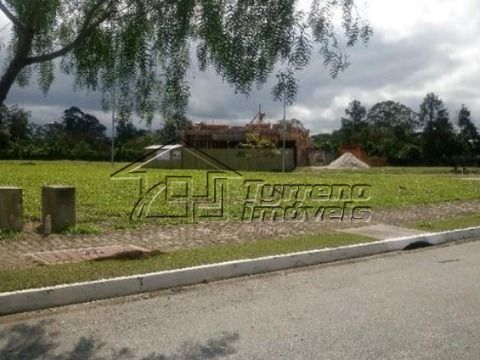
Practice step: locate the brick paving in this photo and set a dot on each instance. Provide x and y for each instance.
(173, 237)
(86, 254)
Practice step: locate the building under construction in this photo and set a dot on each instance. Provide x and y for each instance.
(297, 138)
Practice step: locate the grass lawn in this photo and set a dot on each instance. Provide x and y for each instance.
(42, 276)
(104, 204)
(457, 222)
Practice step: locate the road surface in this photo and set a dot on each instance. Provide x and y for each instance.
(417, 305)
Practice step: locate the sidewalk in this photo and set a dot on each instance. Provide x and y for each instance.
(174, 237)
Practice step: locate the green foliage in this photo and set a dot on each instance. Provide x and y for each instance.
(253, 140)
(439, 141)
(286, 88)
(15, 132)
(8, 235)
(79, 136)
(354, 126)
(387, 130)
(390, 114)
(469, 137)
(138, 52)
(431, 109)
(173, 126)
(327, 142)
(394, 131)
(83, 229)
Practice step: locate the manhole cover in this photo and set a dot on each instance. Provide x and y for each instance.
(86, 254)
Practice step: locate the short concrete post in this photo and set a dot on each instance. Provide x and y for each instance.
(11, 209)
(58, 207)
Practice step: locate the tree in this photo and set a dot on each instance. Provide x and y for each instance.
(356, 113)
(56, 146)
(439, 142)
(137, 52)
(173, 127)
(79, 126)
(469, 137)
(15, 131)
(354, 125)
(391, 114)
(431, 108)
(4, 132)
(78, 136)
(327, 142)
(131, 141)
(125, 131)
(392, 131)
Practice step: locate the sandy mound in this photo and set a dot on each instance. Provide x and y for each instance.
(348, 161)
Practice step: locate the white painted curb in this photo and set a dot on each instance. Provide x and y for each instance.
(36, 299)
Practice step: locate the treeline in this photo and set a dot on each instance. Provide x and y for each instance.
(403, 136)
(77, 136)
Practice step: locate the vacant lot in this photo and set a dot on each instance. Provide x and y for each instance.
(106, 204)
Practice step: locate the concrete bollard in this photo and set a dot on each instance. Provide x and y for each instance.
(58, 208)
(11, 208)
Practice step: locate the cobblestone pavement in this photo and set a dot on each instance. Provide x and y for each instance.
(174, 237)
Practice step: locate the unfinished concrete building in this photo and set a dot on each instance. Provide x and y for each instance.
(297, 138)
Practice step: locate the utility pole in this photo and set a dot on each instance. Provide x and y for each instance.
(284, 155)
(114, 111)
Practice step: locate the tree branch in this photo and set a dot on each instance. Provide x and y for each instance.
(87, 29)
(11, 16)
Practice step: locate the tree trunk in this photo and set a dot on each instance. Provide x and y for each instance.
(9, 78)
(22, 51)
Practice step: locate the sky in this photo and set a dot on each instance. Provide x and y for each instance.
(419, 46)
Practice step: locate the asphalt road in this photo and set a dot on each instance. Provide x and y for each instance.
(417, 305)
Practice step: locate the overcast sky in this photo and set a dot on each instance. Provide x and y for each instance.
(419, 46)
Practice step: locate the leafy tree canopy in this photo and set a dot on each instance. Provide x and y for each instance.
(356, 113)
(439, 141)
(14, 125)
(81, 126)
(468, 136)
(390, 114)
(431, 109)
(140, 50)
(354, 124)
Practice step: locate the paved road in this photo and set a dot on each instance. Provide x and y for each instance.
(417, 305)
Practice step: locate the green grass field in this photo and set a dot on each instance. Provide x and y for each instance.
(451, 223)
(105, 204)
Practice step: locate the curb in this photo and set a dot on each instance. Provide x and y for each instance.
(37, 299)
